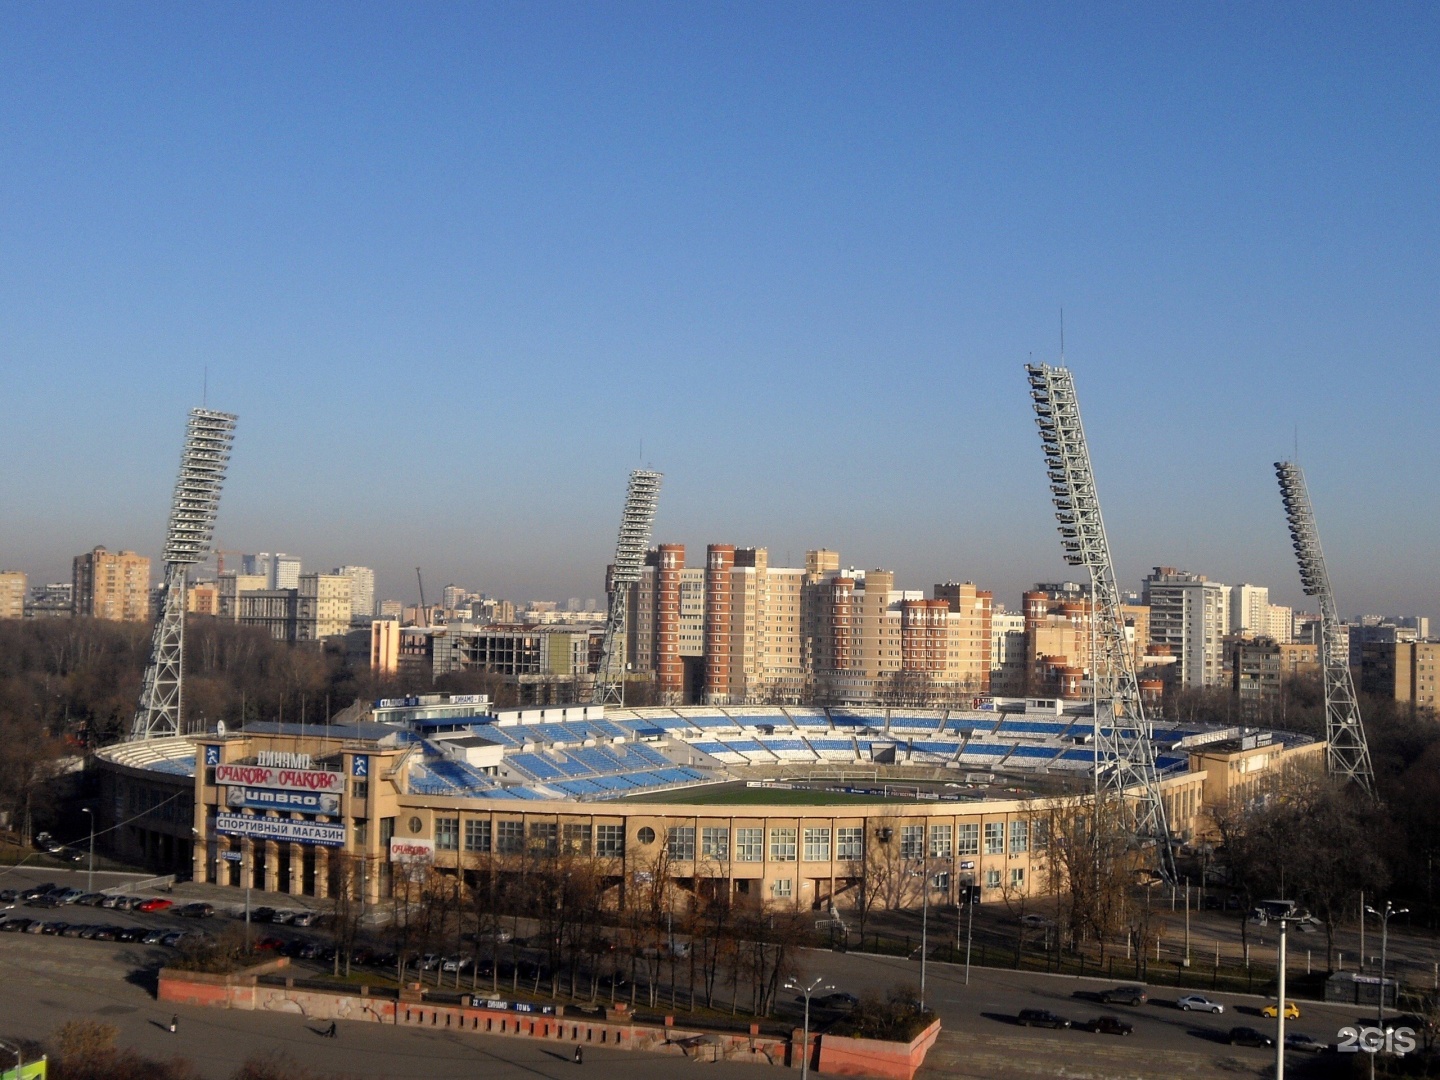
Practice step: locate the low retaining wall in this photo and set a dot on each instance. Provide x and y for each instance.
(853, 1057)
(842, 1056)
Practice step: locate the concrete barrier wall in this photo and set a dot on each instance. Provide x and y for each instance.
(839, 1056)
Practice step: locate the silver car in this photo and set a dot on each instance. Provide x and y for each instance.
(1200, 1003)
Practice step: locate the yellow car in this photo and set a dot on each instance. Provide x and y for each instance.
(1292, 1011)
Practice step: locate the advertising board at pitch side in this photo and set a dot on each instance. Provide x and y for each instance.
(265, 776)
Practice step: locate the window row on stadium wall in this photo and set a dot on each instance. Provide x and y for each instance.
(739, 843)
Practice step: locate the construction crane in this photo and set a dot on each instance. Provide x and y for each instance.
(641, 498)
(1347, 753)
(1124, 743)
(424, 611)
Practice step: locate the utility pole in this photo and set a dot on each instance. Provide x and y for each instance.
(805, 1039)
(1280, 1006)
(90, 875)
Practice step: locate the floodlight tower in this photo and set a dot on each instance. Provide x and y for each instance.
(1124, 748)
(208, 437)
(641, 497)
(1347, 754)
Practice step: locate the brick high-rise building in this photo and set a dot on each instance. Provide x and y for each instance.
(12, 594)
(112, 585)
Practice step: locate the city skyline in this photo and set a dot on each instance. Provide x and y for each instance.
(453, 272)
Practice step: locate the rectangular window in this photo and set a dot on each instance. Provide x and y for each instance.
(992, 879)
(360, 790)
(782, 887)
(510, 837)
(362, 833)
(543, 837)
(749, 845)
(1017, 878)
(817, 845)
(1019, 837)
(447, 834)
(715, 843)
(912, 841)
(387, 832)
(680, 843)
(477, 834)
(1040, 834)
(782, 845)
(942, 845)
(610, 841)
(577, 839)
(941, 881)
(994, 838)
(969, 840)
(851, 844)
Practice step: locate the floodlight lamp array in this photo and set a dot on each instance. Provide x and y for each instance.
(208, 437)
(1304, 536)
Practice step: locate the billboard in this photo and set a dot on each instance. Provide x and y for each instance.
(307, 802)
(404, 851)
(282, 829)
(268, 776)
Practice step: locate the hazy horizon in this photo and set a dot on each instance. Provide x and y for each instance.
(452, 267)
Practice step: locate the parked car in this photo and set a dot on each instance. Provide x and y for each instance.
(34, 926)
(14, 926)
(69, 896)
(128, 903)
(304, 918)
(111, 900)
(269, 944)
(840, 1000)
(197, 910)
(1200, 1003)
(8, 896)
(1125, 995)
(152, 937)
(1292, 1011)
(107, 933)
(91, 899)
(88, 932)
(1111, 1025)
(283, 918)
(54, 928)
(37, 890)
(75, 929)
(173, 938)
(1041, 1018)
(262, 914)
(452, 965)
(1304, 1043)
(153, 905)
(1248, 1036)
(46, 901)
(1034, 921)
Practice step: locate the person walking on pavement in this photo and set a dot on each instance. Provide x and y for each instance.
(174, 1021)
(579, 1056)
(330, 1033)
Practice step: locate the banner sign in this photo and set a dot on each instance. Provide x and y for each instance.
(307, 802)
(288, 779)
(474, 1001)
(280, 759)
(294, 832)
(411, 850)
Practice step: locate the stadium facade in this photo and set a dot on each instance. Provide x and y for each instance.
(707, 796)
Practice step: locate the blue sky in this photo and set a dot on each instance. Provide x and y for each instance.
(453, 265)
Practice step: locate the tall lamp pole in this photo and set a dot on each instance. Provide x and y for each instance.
(805, 1039)
(90, 874)
(1384, 917)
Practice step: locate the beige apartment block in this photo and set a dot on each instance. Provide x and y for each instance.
(12, 594)
(112, 585)
(203, 598)
(1407, 671)
(323, 606)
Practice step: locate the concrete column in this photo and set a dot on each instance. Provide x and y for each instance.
(272, 865)
(199, 871)
(322, 872)
(297, 870)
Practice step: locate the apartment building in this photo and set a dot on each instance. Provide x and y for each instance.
(1249, 609)
(362, 592)
(112, 585)
(203, 598)
(1406, 671)
(1190, 616)
(323, 606)
(12, 594)
(1007, 654)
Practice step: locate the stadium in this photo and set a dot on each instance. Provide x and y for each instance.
(785, 805)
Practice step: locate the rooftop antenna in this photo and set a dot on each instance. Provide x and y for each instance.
(1062, 335)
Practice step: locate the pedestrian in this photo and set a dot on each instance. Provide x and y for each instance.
(174, 1020)
(579, 1055)
(331, 1033)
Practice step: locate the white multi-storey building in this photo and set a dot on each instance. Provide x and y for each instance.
(284, 571)
(1191, 616)
(1249, 609)
(362, 592)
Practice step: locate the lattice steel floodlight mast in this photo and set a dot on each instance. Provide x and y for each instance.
(641, 497)
(1347, 753)
(208, 436)
(1124, 749)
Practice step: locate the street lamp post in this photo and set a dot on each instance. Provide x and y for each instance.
(1384, 917)
(1280, 1006)
(90, 874)
(805, 1039)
